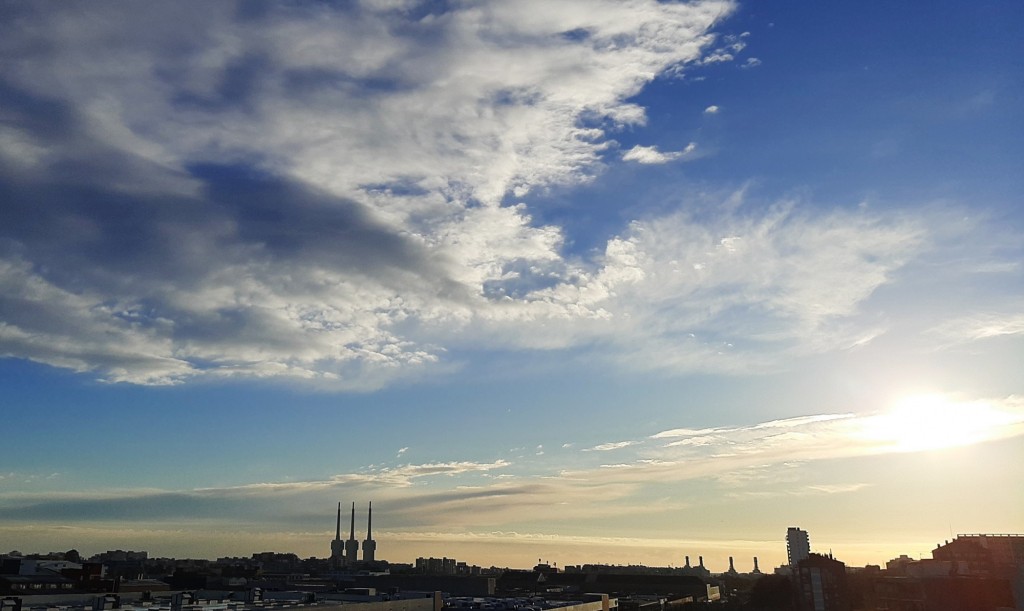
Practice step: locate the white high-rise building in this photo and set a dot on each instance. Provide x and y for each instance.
(798, 545)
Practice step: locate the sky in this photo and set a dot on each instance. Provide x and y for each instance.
(585, 281)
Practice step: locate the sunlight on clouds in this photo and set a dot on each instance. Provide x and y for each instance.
(931, 422)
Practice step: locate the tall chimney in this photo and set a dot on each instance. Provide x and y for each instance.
(352, 533)
(352, 546)
(337, 530)
(369, 545)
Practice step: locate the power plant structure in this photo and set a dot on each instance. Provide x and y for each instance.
(346, 553)
(369, 545)
(338, 546)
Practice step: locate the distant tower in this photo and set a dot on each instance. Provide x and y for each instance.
(337, 546)
(369, 545)
(352, 546)
(756, 570)
(687, 563)
(700, 560)
(732, 567)
(798, 545)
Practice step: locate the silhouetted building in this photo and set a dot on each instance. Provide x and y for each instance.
(898, 566)
(984, 554)
(798, 545)
(337, 545)
(573, 584)
(369, 545)
(943, 593)
(696, 571)
(352, 546)
(436, 566)
(821, 584)
(973, 571)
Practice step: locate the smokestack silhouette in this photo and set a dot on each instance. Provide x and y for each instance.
(337, 546)
(352, 546)
(369, 545)
(352, 533)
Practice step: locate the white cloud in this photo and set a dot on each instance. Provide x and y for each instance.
(651, 154)
(403, 475)
(838, 488)
(305, 194)
(399, 147)
(606, 447)
(752, 62)
(733, 294)
(711, 110)
(718, 57)
(980, 326)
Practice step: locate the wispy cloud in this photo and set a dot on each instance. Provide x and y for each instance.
(757, 460)
(980, 326)
(651, 155)
(606, 447)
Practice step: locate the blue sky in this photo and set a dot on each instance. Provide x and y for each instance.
(587, 281)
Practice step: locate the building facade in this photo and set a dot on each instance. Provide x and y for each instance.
(798, 545)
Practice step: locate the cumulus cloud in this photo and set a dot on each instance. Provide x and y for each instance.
(310, 191)
(711, 110)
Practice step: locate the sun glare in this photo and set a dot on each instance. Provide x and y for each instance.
(931, 422)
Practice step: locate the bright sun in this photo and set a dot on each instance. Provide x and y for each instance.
(930, 422)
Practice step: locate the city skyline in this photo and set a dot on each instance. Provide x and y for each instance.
(587, 281)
